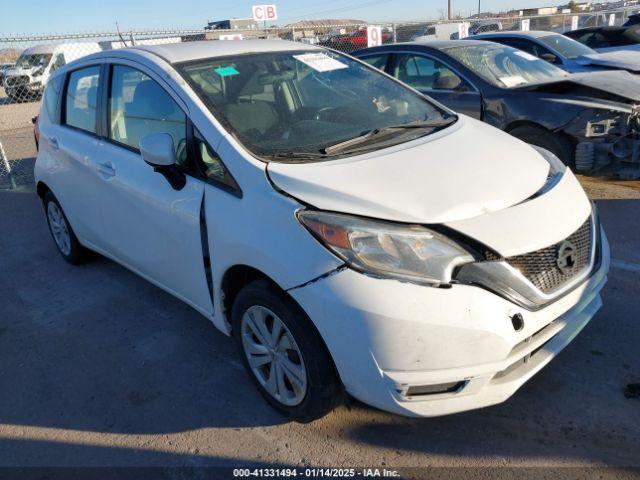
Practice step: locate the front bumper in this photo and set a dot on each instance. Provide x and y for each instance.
(386, 336)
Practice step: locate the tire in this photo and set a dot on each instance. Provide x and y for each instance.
(261, 303)
(556, 143)
(59, 227)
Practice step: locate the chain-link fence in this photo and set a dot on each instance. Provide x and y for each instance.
(27, 62)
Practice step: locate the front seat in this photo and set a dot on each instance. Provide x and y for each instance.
(446, 81)
(152, 110)
(248, 115)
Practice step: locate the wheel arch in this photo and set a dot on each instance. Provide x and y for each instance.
(525, 123)
(238, 276)
(234, 279)
(42, 189)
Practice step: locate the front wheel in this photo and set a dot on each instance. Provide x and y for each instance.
(556, 143)
(283, 353)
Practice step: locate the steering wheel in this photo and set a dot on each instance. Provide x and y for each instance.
(322, 113)
(338, 114)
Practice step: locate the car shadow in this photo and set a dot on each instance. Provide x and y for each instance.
(96, 348)
(66, 460)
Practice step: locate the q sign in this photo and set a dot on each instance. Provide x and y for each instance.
(264, 13)
(374, 36)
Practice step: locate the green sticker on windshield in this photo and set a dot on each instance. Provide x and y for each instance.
(226, 71)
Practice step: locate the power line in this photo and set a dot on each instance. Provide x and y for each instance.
(341, 9)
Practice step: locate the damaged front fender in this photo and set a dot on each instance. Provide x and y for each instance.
(607, 138)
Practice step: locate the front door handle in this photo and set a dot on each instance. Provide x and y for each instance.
(106, 170)
(53, 142)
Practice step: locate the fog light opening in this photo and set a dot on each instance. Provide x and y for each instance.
(518, 322)
(421, 390)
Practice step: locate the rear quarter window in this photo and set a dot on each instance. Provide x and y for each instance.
(51, 98)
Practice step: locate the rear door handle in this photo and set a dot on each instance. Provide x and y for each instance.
(106, 170)
(53, 142)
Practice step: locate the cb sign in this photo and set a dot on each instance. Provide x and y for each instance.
(264, 13)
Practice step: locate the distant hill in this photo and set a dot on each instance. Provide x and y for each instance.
(9, 55)
(327, 22)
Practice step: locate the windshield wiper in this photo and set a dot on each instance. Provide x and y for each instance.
(338, 147)
(296, 155)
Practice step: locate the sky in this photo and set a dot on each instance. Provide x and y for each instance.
(28, 17)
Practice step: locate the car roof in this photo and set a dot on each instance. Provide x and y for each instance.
(604, 29)
(443, 44)
(188, 51)
(432, 44)
(516, 33)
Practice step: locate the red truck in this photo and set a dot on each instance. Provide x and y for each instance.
(357, 40)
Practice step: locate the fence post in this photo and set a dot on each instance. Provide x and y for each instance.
(5, 162)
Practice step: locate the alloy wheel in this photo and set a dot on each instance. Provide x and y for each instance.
(59, 228)
(273, 355)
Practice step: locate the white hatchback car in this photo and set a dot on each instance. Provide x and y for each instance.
(351, 234)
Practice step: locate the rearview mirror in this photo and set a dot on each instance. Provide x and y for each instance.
(157, 150)
(549, 57)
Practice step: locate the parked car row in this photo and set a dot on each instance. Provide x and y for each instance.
(354, 236)
(349, 42)
(542, 87)
(25, 81)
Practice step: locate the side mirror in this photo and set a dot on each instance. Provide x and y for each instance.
(549, 57)
(157, 150)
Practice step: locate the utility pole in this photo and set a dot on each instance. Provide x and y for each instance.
(448, 9)
(479, 8)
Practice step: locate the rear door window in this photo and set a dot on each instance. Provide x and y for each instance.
(377, 61)
(424, 73)
(81, 99)
(524, 45)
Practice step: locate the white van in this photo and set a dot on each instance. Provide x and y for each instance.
(26, 80)
(439, 31)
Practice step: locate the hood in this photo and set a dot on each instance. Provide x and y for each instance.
(622, 59)
(461, 172)
(614, 82)
(18, 71)
(633, 48)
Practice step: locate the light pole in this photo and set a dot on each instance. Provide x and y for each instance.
(448, 9)
(479, 8)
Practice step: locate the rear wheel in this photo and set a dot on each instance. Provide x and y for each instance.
(62, 233)
(283, 353)
(556, 143)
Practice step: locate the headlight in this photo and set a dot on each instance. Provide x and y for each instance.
(557, 167)
(556, 170)
(411, 253)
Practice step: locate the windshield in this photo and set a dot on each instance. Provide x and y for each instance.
(281, 104)
(505, 67)
(34, 60)
(566, 47)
